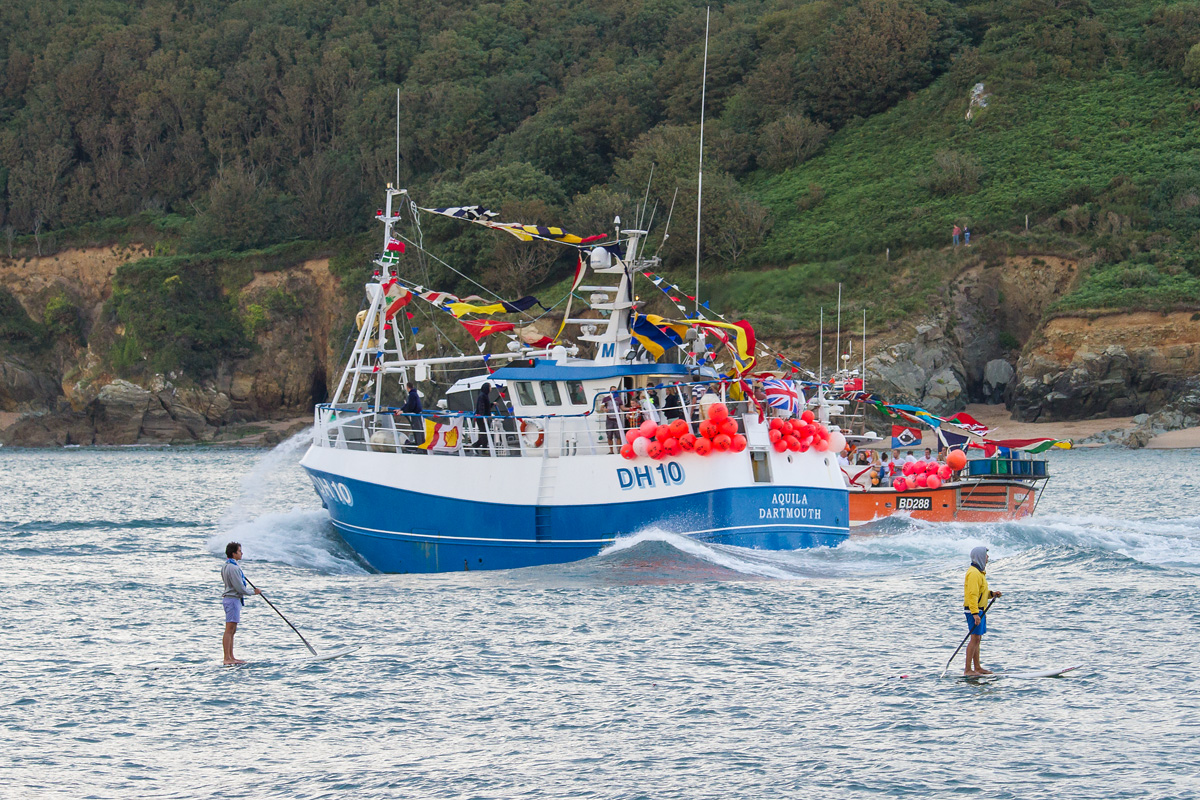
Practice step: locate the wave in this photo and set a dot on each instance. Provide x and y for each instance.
(300, 538)
(900, 544)
(89, 524)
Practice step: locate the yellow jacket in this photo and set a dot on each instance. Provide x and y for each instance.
(975, 590)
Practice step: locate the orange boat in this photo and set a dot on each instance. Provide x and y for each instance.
(987, 490)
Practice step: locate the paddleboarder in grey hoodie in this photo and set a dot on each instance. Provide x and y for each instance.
(233, 598)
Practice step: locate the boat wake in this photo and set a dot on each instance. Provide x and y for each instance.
(898, 545)
(301, 537)
(269, 524)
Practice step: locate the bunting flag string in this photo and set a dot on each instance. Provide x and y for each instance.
(526, 233)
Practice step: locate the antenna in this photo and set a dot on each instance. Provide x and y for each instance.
(700, 169)
(667, 229)
(646, 199)
(397, 137)
(838, 357)
(821, 349)
(862, 376)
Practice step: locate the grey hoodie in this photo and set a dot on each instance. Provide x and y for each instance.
(979, 558)
(235, 582)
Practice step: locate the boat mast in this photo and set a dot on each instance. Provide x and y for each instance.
(700, 170)
(837, 359)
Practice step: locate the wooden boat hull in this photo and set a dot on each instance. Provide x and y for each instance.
(968, 501)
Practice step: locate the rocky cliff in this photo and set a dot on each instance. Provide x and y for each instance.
(65, 392)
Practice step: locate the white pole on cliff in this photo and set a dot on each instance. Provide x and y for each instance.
(700, 171)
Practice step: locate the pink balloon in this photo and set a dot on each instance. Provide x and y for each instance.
(900, 485)
(944, 472)
(933, 482)
(922, 480)
(648, 429)
(931, 467)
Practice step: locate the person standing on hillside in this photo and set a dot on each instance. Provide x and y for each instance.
(233, 598)
(975, 595)
(955, 232)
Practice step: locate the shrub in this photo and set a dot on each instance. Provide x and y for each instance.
(61, 317)
(952, 173)
(1191, 66)
(789, 141)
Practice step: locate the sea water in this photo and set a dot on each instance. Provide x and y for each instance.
(661, 668)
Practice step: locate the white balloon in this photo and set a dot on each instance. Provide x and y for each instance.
(640, 445)
(837, 442)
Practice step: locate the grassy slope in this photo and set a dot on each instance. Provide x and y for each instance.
(1037, 143)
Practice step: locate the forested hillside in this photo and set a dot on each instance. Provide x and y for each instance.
(844, 139)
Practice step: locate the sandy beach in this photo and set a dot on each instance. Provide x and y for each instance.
(1003, 426)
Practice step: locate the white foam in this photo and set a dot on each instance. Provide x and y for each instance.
(277, 470)
(729, 558)
(301, 538)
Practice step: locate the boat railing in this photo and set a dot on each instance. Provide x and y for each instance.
(596, 431)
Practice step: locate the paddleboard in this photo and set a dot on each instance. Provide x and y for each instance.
(1044, 673)
(326, 656)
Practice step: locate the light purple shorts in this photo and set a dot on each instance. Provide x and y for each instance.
(233, 609)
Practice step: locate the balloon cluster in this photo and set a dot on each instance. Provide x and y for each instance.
(929, 475)
(719, 432)
(798, 435)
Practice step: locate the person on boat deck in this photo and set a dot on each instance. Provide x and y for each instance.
(673, 406)
(233, 598)
(612, 410)
(412, 407)
(483, 408)
(885, 470)
(928, 456)
(975, 595)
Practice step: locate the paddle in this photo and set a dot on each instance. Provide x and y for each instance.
(960, 644)
(285, 619)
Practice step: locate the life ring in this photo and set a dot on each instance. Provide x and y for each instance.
(532, 433)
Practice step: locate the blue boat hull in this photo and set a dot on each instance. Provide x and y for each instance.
(401, 531)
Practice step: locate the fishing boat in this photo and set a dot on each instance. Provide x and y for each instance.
(570, 452)
(977, 479)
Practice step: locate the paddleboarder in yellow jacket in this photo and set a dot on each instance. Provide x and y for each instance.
(975, 596)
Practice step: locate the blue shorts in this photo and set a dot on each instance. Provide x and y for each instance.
(982, 629)
(233, 609)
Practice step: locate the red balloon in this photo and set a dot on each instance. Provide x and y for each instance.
(717, 412)
(631, 434)
(900, 485)
(793, 443)
(738, 443)
(933, 481)
(687, 442)
(956, 460)
(780, 445)
(678, 428)
(776, 424)
(662, 433)
(820, 445)
(655, 450)
(774, 435)
(922, 480)
(908, 468)
(804, 448)
(703, 446)
(627, 452)
(709, 429)
(807, 416)
(671, 446)
(722, 442)
(944, 472)
(931, 468)
(729, 427)
(648, 428)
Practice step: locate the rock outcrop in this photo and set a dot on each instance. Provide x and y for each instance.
(926, 371)
(1109, 366)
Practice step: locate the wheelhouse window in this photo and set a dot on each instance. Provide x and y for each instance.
(575, 392)
(550, 393)
(525, 393)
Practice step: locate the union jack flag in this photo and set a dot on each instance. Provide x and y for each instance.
(783, 395)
